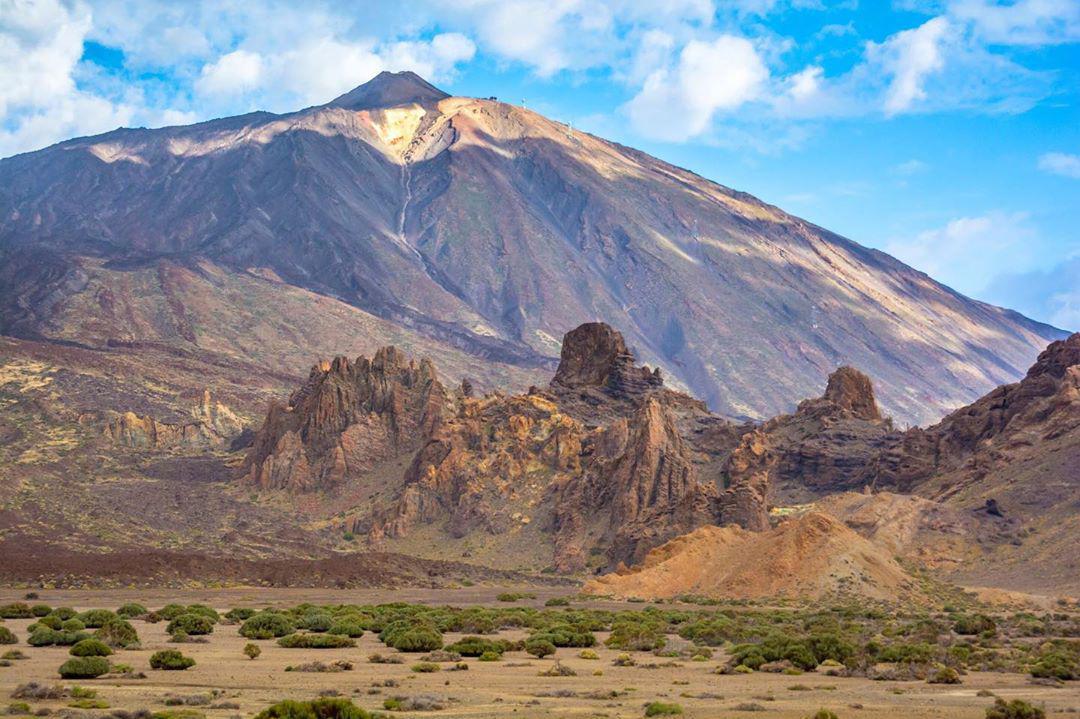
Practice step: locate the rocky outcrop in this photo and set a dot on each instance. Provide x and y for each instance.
(212, 426)
(493, 460)
(639, 488)
(346, 417)
(745, 500)
(595, 355)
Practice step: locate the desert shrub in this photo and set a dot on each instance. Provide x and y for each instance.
(472, 646)
(830, 647)
(347, 626)
(588, 654)
(118, 633)
(513, 596)
(240, 614)
(44, 637)
(191, 624)
(131, 610)
(39, 692)
(635, 635)
(267, 625)
(712, 632)
(315, 622)
(1016, 709)
(7, 636)
(315, 641)
(411, 636)
(566, 635)
(90, 648)
(41, 610)
(170, 612)
(84, 668)
(72, 625)
(539, 647)
(203, 610)
(558, 669)
(919, 653)
(1056, 665)
(252, 651)
(489, 656)
(943, 675)
(557, 602)
(661, 709)
(16, 610)
(425, 667)
(823, 714)
(971, 624)
(64, 613)
(325, 708)
(95, 618)
(170, 660)
(51, 621)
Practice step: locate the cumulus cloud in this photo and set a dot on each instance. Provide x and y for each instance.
(1060, 163)
(1024, 22)
(237, 72)
(967, 250)
(909, 57)
(679, 101)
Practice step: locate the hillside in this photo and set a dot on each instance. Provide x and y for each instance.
(469, 227)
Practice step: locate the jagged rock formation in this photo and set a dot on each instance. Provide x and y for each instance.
(366, 208)
(347, 416)
(745, 500)
(639, 488)
(597, 494)
(213, 426)
(809, 557)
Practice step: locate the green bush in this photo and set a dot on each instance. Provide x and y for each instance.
(635, 636)
(170, 660)
(267, 625)
(252, 651)
(190, 624)
(823, 714)
(131, 610)
(1016, 709)
(171, 611)
(712, 632)
(95, 618)
(240, 614)
(64, 613)
(425, 667)
(972, 624)
(539, 648)
(44, 637)
(1056, 665)
(660, 709)
(566, 635)
(557, 602)
(41, 610)
(326, 708)
(16, 610)
(90, 648)
(7, 636)
(315, 641)
(72, 625)
(407, 635)
(84, 668)
(315, 622)
(943, 675)
(203, 610)
(51, 621)
(347, 626)
(472, 646)
(118, 633)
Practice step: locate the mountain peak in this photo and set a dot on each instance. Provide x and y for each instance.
(390, 89)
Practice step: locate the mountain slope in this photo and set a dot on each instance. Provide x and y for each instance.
(495, 230)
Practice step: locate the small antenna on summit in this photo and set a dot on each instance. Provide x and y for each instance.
(523, 102)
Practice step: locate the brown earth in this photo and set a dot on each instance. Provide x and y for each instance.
(809, 557)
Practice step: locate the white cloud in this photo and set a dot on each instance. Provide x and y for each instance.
(1060, 163)
(238, 72)
(908, 57)
(1024, 22)
(908, 168)
(1051, 295)
(679, 101)
(968, 250)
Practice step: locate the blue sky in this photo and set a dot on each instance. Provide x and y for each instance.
(946, 132)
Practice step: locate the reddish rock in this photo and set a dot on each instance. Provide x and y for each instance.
(347, 416)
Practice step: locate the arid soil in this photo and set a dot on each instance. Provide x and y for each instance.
(511, 687)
